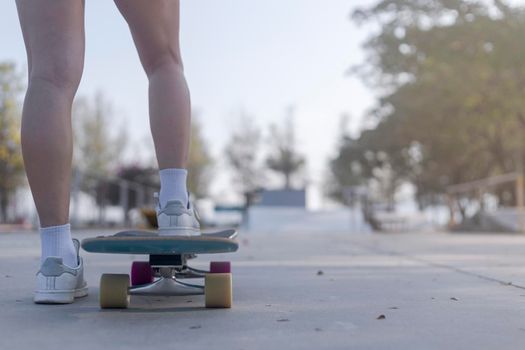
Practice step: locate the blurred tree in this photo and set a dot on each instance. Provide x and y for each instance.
(452, 78)
(372, 159)
(98, 150)
(199, 163)
(242, 153)
(284, 157)
(345, 169)
(11, 165)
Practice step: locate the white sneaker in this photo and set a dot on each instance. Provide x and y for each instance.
(177, 219)
(57, 283)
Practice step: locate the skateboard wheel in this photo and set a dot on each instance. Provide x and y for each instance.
(141, 273)
(220, 267)
(218, 290)
(114, 291)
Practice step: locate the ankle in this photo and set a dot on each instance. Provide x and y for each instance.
(56, 241)
(173, 185)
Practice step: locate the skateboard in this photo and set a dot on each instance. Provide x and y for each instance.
(166, 272)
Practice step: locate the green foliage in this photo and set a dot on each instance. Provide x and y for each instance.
(98, 151)
(242, 154)
(284, 157)
(373, 156)
(452, 76)
(11, 165)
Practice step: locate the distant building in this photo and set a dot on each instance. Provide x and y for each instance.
(276, 211)
(282, 198)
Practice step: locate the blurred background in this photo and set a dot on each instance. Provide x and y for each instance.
(354, 115)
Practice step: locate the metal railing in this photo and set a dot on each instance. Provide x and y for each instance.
(97, 186)
(479, 187)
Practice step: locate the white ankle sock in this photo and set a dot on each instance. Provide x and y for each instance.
(56, 241)
(173, 185)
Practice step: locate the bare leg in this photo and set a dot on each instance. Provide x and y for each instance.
(54, 37)
(155, 29)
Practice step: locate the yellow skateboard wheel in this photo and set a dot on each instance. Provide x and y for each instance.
(114, 291)
(218, 290)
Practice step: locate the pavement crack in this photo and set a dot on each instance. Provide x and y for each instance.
(465, 272)
(440, 265)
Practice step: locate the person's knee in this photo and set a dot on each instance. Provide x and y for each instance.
(62, 73)
(160, 60)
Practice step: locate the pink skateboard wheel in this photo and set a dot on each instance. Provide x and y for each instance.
(220, 267)
(141, 273)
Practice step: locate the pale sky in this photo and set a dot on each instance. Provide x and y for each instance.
(260, 56)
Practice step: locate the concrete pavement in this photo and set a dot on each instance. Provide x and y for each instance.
(295, 291)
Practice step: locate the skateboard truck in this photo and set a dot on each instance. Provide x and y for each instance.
(168, 268)
(177, 264)
(167, 286)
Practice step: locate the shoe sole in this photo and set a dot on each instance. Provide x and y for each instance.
(59, 296)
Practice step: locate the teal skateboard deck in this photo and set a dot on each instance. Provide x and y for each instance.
(151, 243)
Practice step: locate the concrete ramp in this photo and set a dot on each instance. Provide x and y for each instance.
(500, 220)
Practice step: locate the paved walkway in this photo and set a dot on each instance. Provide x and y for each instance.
(293, 291)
